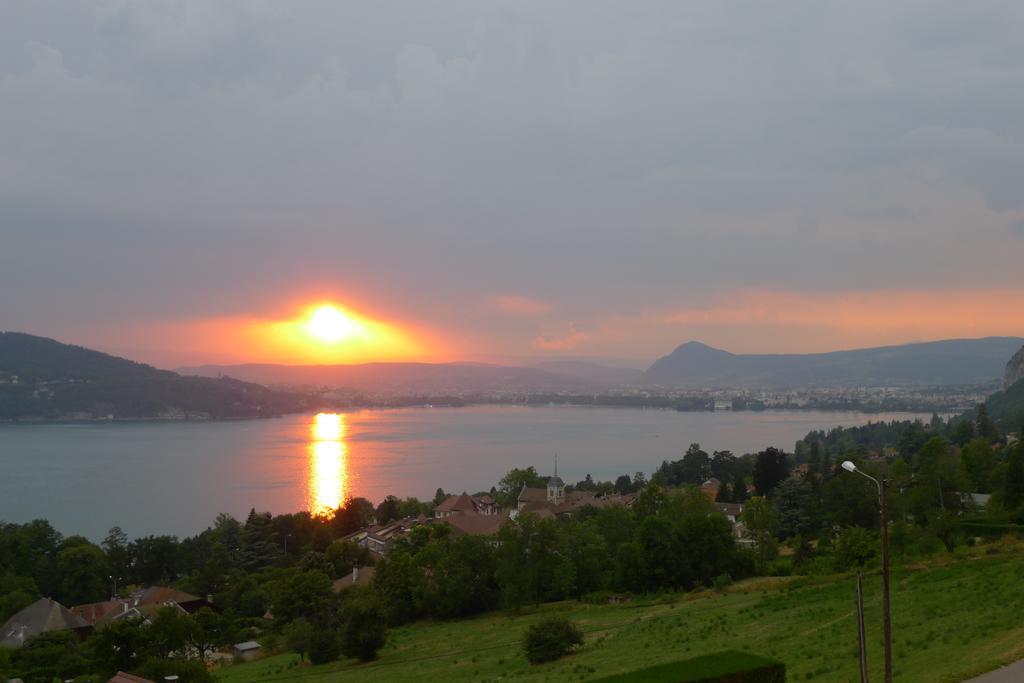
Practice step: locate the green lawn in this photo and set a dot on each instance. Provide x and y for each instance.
(951, 619)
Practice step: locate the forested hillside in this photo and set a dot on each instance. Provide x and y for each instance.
(44, 379)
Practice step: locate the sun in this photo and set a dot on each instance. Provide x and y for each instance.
(328, 324)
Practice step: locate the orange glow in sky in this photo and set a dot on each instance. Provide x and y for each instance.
(327, 479)
(330, 325)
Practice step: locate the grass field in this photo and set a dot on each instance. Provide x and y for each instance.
(952, 618)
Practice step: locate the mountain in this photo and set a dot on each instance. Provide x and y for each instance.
(400, 378)
(1014, 369)
(940, 363)
(42, 378)
(592, 372)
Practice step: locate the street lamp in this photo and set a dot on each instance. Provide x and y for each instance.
(886, 622)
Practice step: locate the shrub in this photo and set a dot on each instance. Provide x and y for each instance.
(187, 671)
(722, 581)
(365, 631)
(550, 639)
(324, 646)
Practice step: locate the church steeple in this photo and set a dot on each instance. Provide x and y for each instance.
(556, 487)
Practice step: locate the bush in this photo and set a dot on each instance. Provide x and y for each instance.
(722, 582)
(365, 631)
(187, 671)
(324, 646)
(550, 639)
(721, 667)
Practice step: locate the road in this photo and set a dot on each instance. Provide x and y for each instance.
(1013, 673)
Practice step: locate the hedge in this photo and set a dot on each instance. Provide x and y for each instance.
(990, 529)
(722, 667)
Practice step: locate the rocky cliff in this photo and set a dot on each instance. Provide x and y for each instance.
(1014, 369)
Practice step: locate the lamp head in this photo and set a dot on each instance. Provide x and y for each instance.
(849, 466)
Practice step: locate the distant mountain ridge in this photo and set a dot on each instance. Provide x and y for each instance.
(43, 379)
(940, 363)
(402, 378)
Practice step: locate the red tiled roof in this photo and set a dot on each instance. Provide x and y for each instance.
(158, 595)
(533, 495)
(461, 503)
(476, 525)
(98, 611)
(363, 578)
(122, 677)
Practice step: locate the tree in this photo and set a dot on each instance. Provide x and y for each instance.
(298, 635)
(940, 481)
(695, 467)
(623, 484)
(984, 426)
(551, 639)
(387, 511)
(724, 466)
(980, 462)
(724, 494)
(439, 496)
(324, 646)
(513, 482)
(762, 522)
(84, 571)
(168, 631)
(48, 656)
(739, 489)
(207, 629)
(793, 500)
(854, 547)
(303, 594)
(156, 559)
(116, 546)
(1011, 495)
(364, 632)
(771, 467)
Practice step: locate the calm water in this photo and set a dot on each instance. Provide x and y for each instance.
(175, 477)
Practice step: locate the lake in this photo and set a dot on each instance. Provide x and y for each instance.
(172, 477)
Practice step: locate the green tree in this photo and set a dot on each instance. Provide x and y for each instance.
(513, 482)
(551, 639)
(298, 635)
(854, 547)
(762, 522)
(794, 500)
(388, 510)
(771, 467)
(980, 461)
(303, 594)
(364, 632)
(84, 571)
(48, 656)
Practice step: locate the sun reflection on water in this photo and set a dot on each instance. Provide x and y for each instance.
(328, 464)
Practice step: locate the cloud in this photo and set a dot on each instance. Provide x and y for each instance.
(570, 340)
(625, 159)
(520, 305)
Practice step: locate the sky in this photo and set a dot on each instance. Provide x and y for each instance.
(181, 178)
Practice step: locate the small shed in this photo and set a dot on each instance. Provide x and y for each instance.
(248, 650)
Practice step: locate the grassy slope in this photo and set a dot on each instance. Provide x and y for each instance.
(950, 620)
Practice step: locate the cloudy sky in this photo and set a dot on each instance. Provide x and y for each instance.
(583, 179)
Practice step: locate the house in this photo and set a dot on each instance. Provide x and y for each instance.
(247, 651)
(476, 524)
(710, 488)
(732, 511)
(142, 604)
(122, 677)
(554, 501)
(360, 576)
(41, 616)
(465, 504)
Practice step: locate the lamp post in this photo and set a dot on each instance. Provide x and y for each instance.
(113, 580)
(886, 621)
